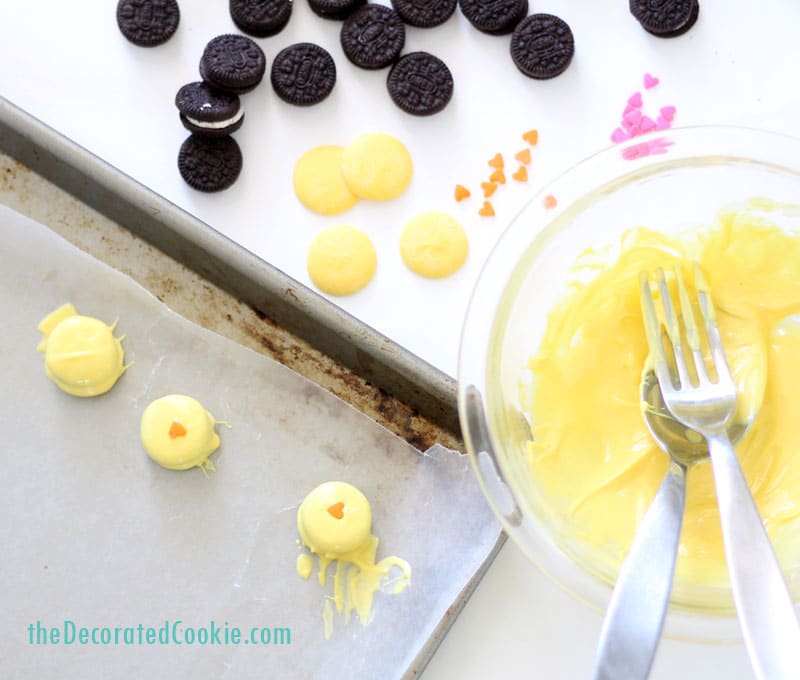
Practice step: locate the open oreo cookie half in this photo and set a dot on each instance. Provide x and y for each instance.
(542, 46)
(373, 36)
(420, 84)
(303, 74)
(260, 18)
(148, 23)
(497, 17)
(425, 13)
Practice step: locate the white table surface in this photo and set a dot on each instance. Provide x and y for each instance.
(67, 64)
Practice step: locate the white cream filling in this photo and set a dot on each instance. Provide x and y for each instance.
(219, 124)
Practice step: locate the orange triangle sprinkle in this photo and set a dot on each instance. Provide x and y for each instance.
(487, 210)
(337, 510)
(521, 175)
(462, 192)
(524, 156)
(531, 136)
(498, 176)
(488, 188)
(550, 201)
(497, 161)
(176, 430)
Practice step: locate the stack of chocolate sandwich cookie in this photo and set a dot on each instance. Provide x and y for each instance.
(231, 65)
(148, 23)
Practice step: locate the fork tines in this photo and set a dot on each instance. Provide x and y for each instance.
(682, 331)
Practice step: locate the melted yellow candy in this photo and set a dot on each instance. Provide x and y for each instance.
(178, 433)
(433, 244)
(377, 166)
(593, 459)
(341, 260)
(81, 354)
(335, 523)
(319, 182)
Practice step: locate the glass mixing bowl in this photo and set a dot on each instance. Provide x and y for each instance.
(697, 172)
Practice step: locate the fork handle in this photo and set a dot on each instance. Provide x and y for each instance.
(635, 615)
(766, 613)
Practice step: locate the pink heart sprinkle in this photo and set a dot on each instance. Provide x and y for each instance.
(633, 117)
(648, 124)
(619, 135)
(635, 100)
(662, 123)
(650, 81)
(628, 109)
(668, 112)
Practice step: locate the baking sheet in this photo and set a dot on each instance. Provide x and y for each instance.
(95, 533)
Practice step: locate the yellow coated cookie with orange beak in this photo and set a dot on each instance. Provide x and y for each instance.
(178, 433)
(81, 354)
(335, 523)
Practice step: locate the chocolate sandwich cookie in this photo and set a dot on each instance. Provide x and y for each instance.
(667, 18)
(209, 163)
(260, 18)
(303, 74)
(497, 17)
(335, 9)
(148, 23)
(420, 84)
(425, 13)
(373, 36)
(233, 63)
(542, 46)
(209, 112)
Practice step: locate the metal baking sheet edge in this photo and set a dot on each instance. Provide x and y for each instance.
(213, 256)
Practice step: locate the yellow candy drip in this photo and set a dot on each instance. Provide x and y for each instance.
(348, 541)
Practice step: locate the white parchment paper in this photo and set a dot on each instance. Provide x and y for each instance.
(93, 532)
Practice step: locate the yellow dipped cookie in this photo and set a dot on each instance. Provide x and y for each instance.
(433, 245)
(335, 518)
(319, 182)
(377, 166)
(178, 433)
(335, 524)
(81, 354)
(341, 260)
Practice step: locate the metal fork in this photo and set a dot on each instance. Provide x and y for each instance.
(766, 613)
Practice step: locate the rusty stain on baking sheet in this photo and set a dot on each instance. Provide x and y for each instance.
(375, 402)
(205, 304)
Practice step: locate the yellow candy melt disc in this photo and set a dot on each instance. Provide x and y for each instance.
(433, 245)
(341, 260)
(377, 166)
(319, 182)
